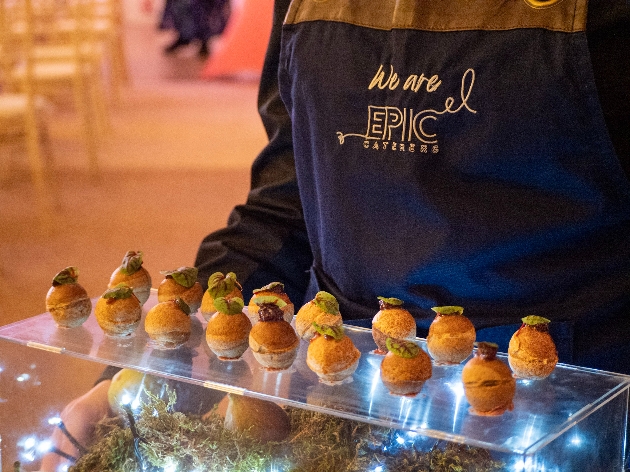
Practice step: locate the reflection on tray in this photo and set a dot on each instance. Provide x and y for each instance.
(544, 409)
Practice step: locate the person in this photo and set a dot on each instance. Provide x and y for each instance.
(194, 20)
(469, 154)
(489, 177)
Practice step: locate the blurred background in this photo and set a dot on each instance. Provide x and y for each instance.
(110, 143)
(164, 168)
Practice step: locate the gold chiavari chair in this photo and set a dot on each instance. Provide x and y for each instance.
(77, 70)
(22, 124)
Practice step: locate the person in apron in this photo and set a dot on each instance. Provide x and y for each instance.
(444, 154)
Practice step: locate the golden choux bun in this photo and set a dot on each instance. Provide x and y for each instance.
(118, 316)
(488, 382)
(532, 353)
(171, 287)
(274, 344)
(168, 324)
(67, 301)
(131, 273)
(392, 321)
(227, 334)
(323, 310)
(333, 358)
(219, 286)
(405, 368)
(451, 336)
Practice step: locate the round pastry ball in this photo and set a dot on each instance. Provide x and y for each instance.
(332, 355)
(488, 382)
(219, 286)
(274, 344)
(392, 321)
(67, 301)
(227, 332)
(118, 311)
(134, 275)
(323, 309)
(259, 419)
(181, 283)
(273, 289)
(168, 324)
(405, 368)
(451, 336)
(532, 352)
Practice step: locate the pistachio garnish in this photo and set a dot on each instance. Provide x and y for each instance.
(448, 310)
(269, 300)
(184, 276)
(229, 306)
(182, 305)
(402, 348)
(385, 303)
(67, 276)
(118, 292)
(131, 263)
(220, 285)
(533, 320)
(327, 303)
(335, 332)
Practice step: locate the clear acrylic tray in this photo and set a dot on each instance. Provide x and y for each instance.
(543, 409)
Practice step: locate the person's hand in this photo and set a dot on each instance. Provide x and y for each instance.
(79, 418)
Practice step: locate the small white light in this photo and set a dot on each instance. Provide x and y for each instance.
(29, 443)
(126, 399)
(170, 467)
(576, 440)
(44, 446)
(379, 469)
(400, 440)
(55, 420)
(23, 378)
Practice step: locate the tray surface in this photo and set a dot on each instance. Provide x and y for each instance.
(543, 409)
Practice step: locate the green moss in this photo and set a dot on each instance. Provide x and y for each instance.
(318, 443)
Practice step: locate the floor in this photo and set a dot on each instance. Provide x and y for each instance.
(175, 163)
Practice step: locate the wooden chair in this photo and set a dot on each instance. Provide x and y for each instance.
(22, 124)
(77, 70)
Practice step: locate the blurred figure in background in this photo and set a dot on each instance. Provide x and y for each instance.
(194, 20)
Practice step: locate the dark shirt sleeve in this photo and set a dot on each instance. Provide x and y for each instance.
(265, 239)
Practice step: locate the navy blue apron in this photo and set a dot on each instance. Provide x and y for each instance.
(455, 153)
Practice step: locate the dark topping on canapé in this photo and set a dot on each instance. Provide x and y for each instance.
(269, 307)
(486, 350)
(270, 312)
